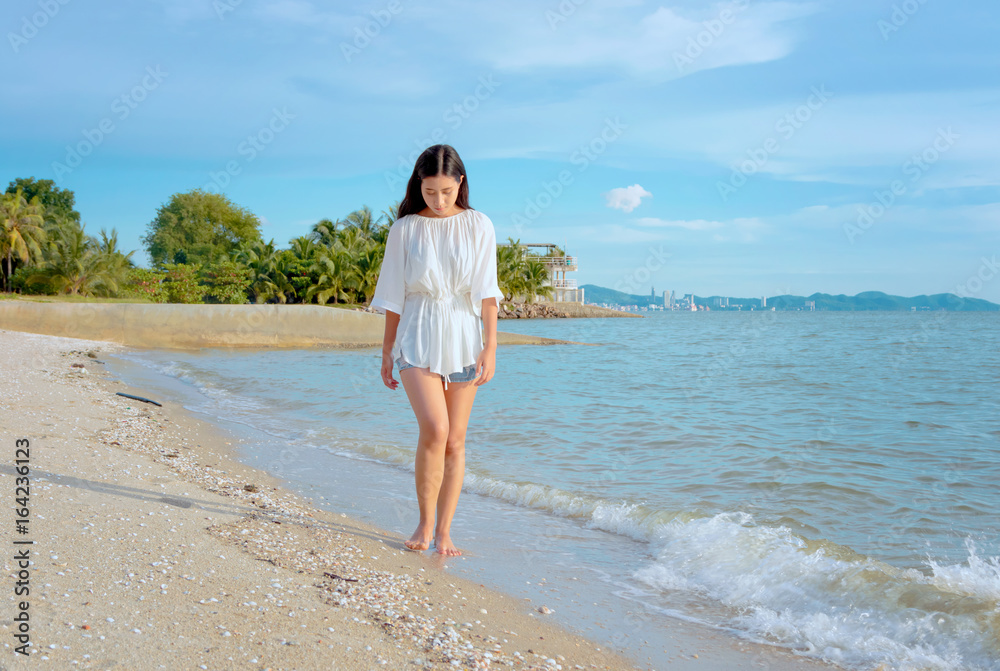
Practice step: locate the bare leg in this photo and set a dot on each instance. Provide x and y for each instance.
(425, 391)
(459, 398)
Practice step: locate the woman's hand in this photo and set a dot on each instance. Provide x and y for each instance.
(387, 371)
(486, 365)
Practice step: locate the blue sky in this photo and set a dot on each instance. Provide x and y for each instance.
(740, 148)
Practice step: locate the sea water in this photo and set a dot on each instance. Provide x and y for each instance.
(826, 482)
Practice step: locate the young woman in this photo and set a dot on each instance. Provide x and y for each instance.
(438, 280)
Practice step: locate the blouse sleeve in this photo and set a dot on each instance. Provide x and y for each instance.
(390, 290)
(484, 279)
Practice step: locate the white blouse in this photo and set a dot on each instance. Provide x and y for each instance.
(435, 274)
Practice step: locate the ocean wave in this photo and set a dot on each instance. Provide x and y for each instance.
(827, 601)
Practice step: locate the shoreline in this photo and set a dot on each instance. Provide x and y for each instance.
(104, 465)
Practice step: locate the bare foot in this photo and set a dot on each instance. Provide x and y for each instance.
(420, 540)
(445, 547)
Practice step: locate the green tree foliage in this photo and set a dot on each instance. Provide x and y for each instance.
(226, 282)
(333, 271)
(346, 256)
(536, 279)
(520, 273)
(182, 283)
(22, 229)
(198, 226)
(268, 270)
(144, 284)
(79, 264)
(206, 249)
(116, 264)
(367, 266)
(298, 261)
(59, 204)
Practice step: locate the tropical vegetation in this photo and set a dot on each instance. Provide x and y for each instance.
(206, 249)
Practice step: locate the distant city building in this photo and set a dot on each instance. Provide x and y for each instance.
(811, 305)
(722, 302)
(667, 300)
(763, 301)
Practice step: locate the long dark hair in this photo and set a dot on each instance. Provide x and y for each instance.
(441, 159)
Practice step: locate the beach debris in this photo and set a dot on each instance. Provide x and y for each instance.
(334, 575)
(138, 398)
(545, 610)
(250, 488)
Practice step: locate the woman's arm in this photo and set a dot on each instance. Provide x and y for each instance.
(490, 322)
(388, 340)
(389, 337)
(488, 357)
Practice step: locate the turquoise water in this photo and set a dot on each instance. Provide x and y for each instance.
(823, 481)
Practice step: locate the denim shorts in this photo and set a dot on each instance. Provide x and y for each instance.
(466, 374)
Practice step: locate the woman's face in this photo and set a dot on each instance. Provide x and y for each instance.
(440, 193)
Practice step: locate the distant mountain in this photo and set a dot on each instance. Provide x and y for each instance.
(865, 301)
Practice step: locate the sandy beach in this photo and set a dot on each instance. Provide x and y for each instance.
(152, 547)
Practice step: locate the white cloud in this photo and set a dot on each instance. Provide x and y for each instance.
(626, 198)
(653, 43)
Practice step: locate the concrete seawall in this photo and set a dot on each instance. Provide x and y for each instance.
(181, 326)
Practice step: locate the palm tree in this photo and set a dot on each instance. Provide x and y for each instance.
(22, 228)
(385, 222)
(332, 267)
(324, 232)
(268, 267)
(363, 221)
(74, 263)
(510, 258)
(520, 273)
(366, 269)
(535, 279)
(303, 247)
(298, 260)
(116, 264)
(392, 213)
(353, 241)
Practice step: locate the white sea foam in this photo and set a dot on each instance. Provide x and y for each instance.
(859, 613)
